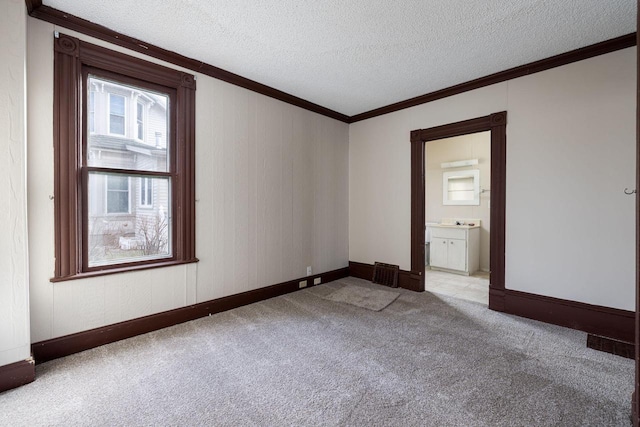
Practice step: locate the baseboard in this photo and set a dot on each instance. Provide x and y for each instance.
(496, 298)
(17, 374)
(365, 271)
(634, 410)
(602, 321)
(81, 341)
(594, 319)
(607, 345)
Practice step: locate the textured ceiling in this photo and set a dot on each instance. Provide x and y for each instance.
(356, 55)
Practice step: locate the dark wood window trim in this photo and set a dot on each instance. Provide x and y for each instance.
(72, 57)
(497, 124)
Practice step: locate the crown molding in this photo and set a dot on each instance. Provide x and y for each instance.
(32, 5)
(36, 9)
(576, 55)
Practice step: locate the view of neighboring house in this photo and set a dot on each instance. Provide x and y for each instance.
(128, 213)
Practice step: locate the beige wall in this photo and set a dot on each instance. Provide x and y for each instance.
(570, 153)
(14, 283)
(280, 188)
(272, 199)
(473, 146)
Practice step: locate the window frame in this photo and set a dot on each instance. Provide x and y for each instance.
(74, 59)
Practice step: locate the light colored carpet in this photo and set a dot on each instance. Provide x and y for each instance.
(371, 299)
(298, 359)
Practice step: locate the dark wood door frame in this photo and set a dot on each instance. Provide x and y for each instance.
(497, 124)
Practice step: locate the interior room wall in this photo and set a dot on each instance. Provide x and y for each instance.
(14, 275)
(271, 199)
(570, 154)
(465, 147)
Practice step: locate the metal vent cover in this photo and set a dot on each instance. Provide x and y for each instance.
(386, 274)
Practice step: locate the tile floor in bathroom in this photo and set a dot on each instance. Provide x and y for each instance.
(470, 288)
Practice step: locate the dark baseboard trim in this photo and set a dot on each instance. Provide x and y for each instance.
(365, 271)
(619, 348)
(17, 374)
(581, 54)
(634, 410)
(594, 319)
(496, 298)
(81, 341)
(604, 322)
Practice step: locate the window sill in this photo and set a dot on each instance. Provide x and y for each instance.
(96, 273)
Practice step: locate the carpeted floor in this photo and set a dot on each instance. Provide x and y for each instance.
(364, 297)
(299, 359)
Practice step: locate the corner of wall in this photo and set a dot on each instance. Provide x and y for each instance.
(14, 275)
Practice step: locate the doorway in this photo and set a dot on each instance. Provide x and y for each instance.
(496, 124)
(457, 212)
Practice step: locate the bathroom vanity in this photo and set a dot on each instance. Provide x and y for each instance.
(455, 248)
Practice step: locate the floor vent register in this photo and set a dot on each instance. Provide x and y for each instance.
(386, 274)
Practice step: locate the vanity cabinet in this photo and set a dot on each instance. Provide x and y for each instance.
(455, 249)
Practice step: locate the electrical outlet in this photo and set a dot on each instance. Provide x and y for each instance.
(309, 273)
(302, 284)
(317, 280)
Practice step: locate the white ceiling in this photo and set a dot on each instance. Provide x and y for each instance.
(356, 55)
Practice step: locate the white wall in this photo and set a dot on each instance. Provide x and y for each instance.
(14, 288)
(272, 199)
(570, 230)
(465, 147)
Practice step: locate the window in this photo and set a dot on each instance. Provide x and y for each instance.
(116, 114)
(121, 203)
(117, 194)
(461, 187)
(92, 111)
(140, 121)
(118, 233)
(146, 192)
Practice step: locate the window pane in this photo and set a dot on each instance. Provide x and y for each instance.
(140, 122)
(117, 194)
(149, 198)
(129, 236)
(116, 125)
(146, 192)
(116, 114)
(117, 104)
(92, 110)
(118, 202)
(118, 182)
(141, 145)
